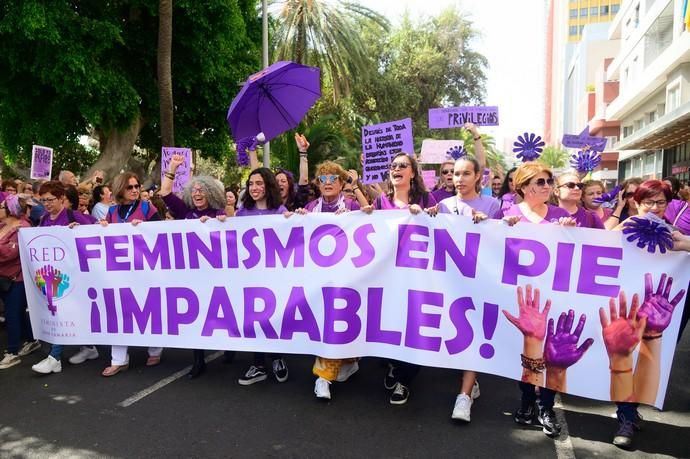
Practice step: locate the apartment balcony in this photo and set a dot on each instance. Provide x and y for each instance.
(671, 129)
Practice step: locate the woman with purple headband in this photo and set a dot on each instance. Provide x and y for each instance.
(203, 198)
(331, 177)
(406, 190)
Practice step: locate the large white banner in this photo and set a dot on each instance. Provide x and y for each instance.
(437, 291)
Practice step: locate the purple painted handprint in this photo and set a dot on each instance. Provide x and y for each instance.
(656, 306)
(561, 349)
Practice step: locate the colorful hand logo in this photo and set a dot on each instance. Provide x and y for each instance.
(656, 307)
(53, 284)
(561, 348)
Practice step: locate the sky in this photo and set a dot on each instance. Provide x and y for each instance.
(513, 40)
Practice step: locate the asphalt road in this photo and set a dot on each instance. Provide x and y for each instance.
(78, 413)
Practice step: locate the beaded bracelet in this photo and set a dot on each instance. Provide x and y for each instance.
(533, 365)
(170, 175)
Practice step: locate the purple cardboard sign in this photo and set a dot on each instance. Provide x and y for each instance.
(380, 143)
(455, 117)
(430, 179)
(41, 162)
(583, 139)
(183, 172)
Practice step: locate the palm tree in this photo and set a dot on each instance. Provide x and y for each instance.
(165, 94)
(323, 33)
(554, 157)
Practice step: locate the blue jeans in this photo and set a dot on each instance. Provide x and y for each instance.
(18, 325)
(56, 351)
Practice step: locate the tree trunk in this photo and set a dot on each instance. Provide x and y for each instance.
(116, 148)
(165, 94)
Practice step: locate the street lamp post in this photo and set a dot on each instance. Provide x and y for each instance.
(264, 27)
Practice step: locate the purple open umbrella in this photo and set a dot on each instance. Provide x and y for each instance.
(274, 100)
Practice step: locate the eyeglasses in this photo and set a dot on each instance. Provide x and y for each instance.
(544, 182)
(325, 179)
(197, 191)
(628, 194)
(649, 203)
(573, 185)
(47, 200)
(348, 190)
(133, 187)
(396, 166)
(446, 171)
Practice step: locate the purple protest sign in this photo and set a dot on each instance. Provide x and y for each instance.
(583, 139)
(380, 143)
(183, 172)
(454, 117)
(430, 179)
(41, 162)
(438, 151)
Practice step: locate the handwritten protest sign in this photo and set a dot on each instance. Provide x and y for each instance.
(183, 172)
(430, 179)
(454, 117)
(438, 151)
(441, 292)
(41, 162)
(583, 139)
(380, 143)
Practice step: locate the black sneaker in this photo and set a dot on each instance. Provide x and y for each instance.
(253, 375)
(389, 381)
(549, 423)
(400, 394)
(280, 370)
(526, 415)
(625, 433)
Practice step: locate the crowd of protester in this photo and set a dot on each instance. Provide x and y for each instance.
(529, 193)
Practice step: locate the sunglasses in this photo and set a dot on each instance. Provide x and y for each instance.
(395, 166)
(447, 171)
(348, 190)
(544, 182)
(573, 185)
(628, 195)
(133, 187)
(325, 179)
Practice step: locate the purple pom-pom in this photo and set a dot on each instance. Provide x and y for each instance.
(528, 147)
(585, 160)
(244, 144)
(650, 231)
(456, 152)
(608, 197)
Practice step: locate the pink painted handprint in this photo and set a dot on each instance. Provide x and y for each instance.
(656, 306)
(623, 332)
(561, 348)
(530, 321)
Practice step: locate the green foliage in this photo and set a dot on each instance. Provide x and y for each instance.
(68, 66)
(554, 157)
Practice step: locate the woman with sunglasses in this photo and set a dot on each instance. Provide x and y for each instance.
(445, 188)
(58, 213)
(533, 183)
(406, 191)
(331, 178)
(12, 217)
(262, 197)
(203, 198)
(568, 193)
(129, 209)
(625, 206)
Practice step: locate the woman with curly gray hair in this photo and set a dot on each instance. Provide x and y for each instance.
(203, 198)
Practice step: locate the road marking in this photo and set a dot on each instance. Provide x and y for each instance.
(163, 382)
(564, 446)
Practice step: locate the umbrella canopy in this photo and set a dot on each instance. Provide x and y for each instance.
(274, 100)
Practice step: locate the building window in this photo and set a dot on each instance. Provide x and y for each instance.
(573, 13)
(604, 10)
(594, 11)
(651, 117)
(581, 27)
(583, 12)
(572, 31)
(614, 8)
(673, 97)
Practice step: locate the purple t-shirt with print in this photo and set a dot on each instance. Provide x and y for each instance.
(453, 205)
(63, 220)
(553, 213)
(485, 204)
(587, 219)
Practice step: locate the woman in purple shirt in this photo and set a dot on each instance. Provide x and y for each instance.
(202, 198)
(262, 197)
(568, 193)
(406, 191)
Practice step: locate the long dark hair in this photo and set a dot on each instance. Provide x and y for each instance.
(273, 200)
(675, 185)
(477, 170)
(418, 193)
(292, 193)
(505, 186)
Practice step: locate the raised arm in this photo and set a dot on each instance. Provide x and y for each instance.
(169, 175)
(479, 153)
(302, 146)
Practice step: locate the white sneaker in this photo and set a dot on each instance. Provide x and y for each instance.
(322, 389)
(475, 390)
(463, 407)
(29, 347)
(347, 370)
(84, 354)
(9, 360)
(48, 365)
